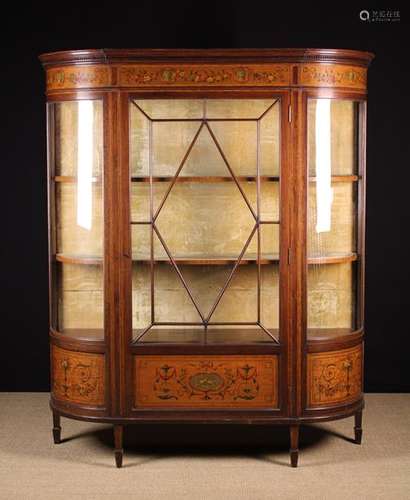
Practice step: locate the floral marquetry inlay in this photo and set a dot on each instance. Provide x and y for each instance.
(208, 75)
(330, 75)
(334, 377)
(214, 381)
(146, 75)
(78, 77)
(78, 377)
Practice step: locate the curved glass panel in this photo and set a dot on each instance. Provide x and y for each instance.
(76, 203)
(332, 244)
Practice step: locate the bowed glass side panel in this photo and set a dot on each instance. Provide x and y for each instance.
(76, 213)
(332, 247)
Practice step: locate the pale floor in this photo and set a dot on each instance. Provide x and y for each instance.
(203, 462)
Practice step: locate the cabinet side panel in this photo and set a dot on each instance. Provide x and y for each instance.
(335, 377)
(78, 377)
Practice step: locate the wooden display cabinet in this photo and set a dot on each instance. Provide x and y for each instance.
(206, 213)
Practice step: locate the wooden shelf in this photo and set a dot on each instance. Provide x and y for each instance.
(336, 258)
(72, 179)
(214, 335)
(82, 334)
(328, 334)
(179, 335)
(208, 260)
(231, 335)
(241, 178)
(78, 259)
(205, 178)
(340, 178)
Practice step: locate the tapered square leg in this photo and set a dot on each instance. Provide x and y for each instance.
(56, 428)
(358, 431)
(118, 440)
(294, 445)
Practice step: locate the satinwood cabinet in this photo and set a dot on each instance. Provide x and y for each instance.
(206, 214)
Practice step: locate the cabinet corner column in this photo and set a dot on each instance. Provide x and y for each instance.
(113, 250)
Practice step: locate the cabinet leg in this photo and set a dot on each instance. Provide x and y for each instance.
(294, 445)
(56, 428)
(118, 439)
(358, 431)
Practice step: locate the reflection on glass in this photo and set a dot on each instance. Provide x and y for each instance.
(66, 136)
(342, 135)
(85, 164)
(323, 166)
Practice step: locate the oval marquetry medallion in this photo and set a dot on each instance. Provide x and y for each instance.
(206, 382)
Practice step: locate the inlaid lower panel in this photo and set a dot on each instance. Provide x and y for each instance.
(334, 377)
(78, 377)
(206, 381)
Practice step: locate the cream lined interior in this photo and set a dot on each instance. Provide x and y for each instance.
(205, 219)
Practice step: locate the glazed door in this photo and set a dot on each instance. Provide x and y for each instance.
(208, 216)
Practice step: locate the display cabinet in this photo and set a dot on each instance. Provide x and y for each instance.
(206, 214)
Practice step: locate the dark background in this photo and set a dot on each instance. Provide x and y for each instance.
(33, 29)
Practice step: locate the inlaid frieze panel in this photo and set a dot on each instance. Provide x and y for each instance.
(145, 75)
(331, 75)
(206, 381)
(73, 77)
(334, 377)
(78, 377)
(203, 74)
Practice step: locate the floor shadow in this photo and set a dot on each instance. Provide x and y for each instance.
(265, 443)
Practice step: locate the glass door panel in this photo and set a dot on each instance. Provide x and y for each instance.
(205, 219)
(76, 139)
(332, 246)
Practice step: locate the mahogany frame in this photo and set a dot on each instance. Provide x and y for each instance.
(195, 349)
(75, 75)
